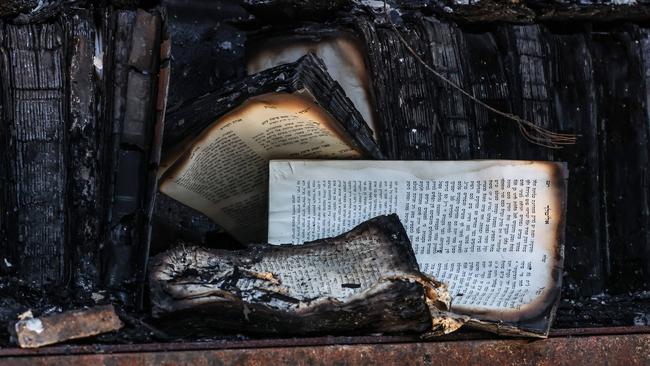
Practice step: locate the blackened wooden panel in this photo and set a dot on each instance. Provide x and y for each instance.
(133, 79)
(526, 56)
(642, 36)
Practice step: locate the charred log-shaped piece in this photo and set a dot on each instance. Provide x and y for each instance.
(60, 327)
(84, 136)
(364, 281)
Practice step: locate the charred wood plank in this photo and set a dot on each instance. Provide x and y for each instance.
(364, 281)
(402, 92)
(526, 57)
(488, 82)
(454, 137)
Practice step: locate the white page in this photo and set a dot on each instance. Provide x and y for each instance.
(490, 229)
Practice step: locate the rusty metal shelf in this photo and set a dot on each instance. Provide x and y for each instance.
(616, 345)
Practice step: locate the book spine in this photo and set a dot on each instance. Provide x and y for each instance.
(34, 145)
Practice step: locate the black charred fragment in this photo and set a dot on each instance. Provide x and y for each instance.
(38, 11)
(298, 290)
(531, 11)
(281, 10)
(30, 11)
(176, 222)
(575, 88)
(463, 12)
(623, 146)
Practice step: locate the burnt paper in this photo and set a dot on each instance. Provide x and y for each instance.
(293, 110)
(493, 230)
(363, 281)
(341, 52)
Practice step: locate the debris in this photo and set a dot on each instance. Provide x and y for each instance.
(33, 332)
(26, 315)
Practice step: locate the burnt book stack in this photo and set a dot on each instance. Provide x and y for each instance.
(82, 105)
(557, 76)
(505, 280)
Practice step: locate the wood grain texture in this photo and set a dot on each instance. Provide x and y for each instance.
(133, 66)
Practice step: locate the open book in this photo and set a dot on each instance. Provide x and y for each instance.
(493, 230)
(291, 111)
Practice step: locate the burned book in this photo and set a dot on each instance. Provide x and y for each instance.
(82, 118)
(492, 230)
(219, 165)
(340, 50)
(364, 281)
